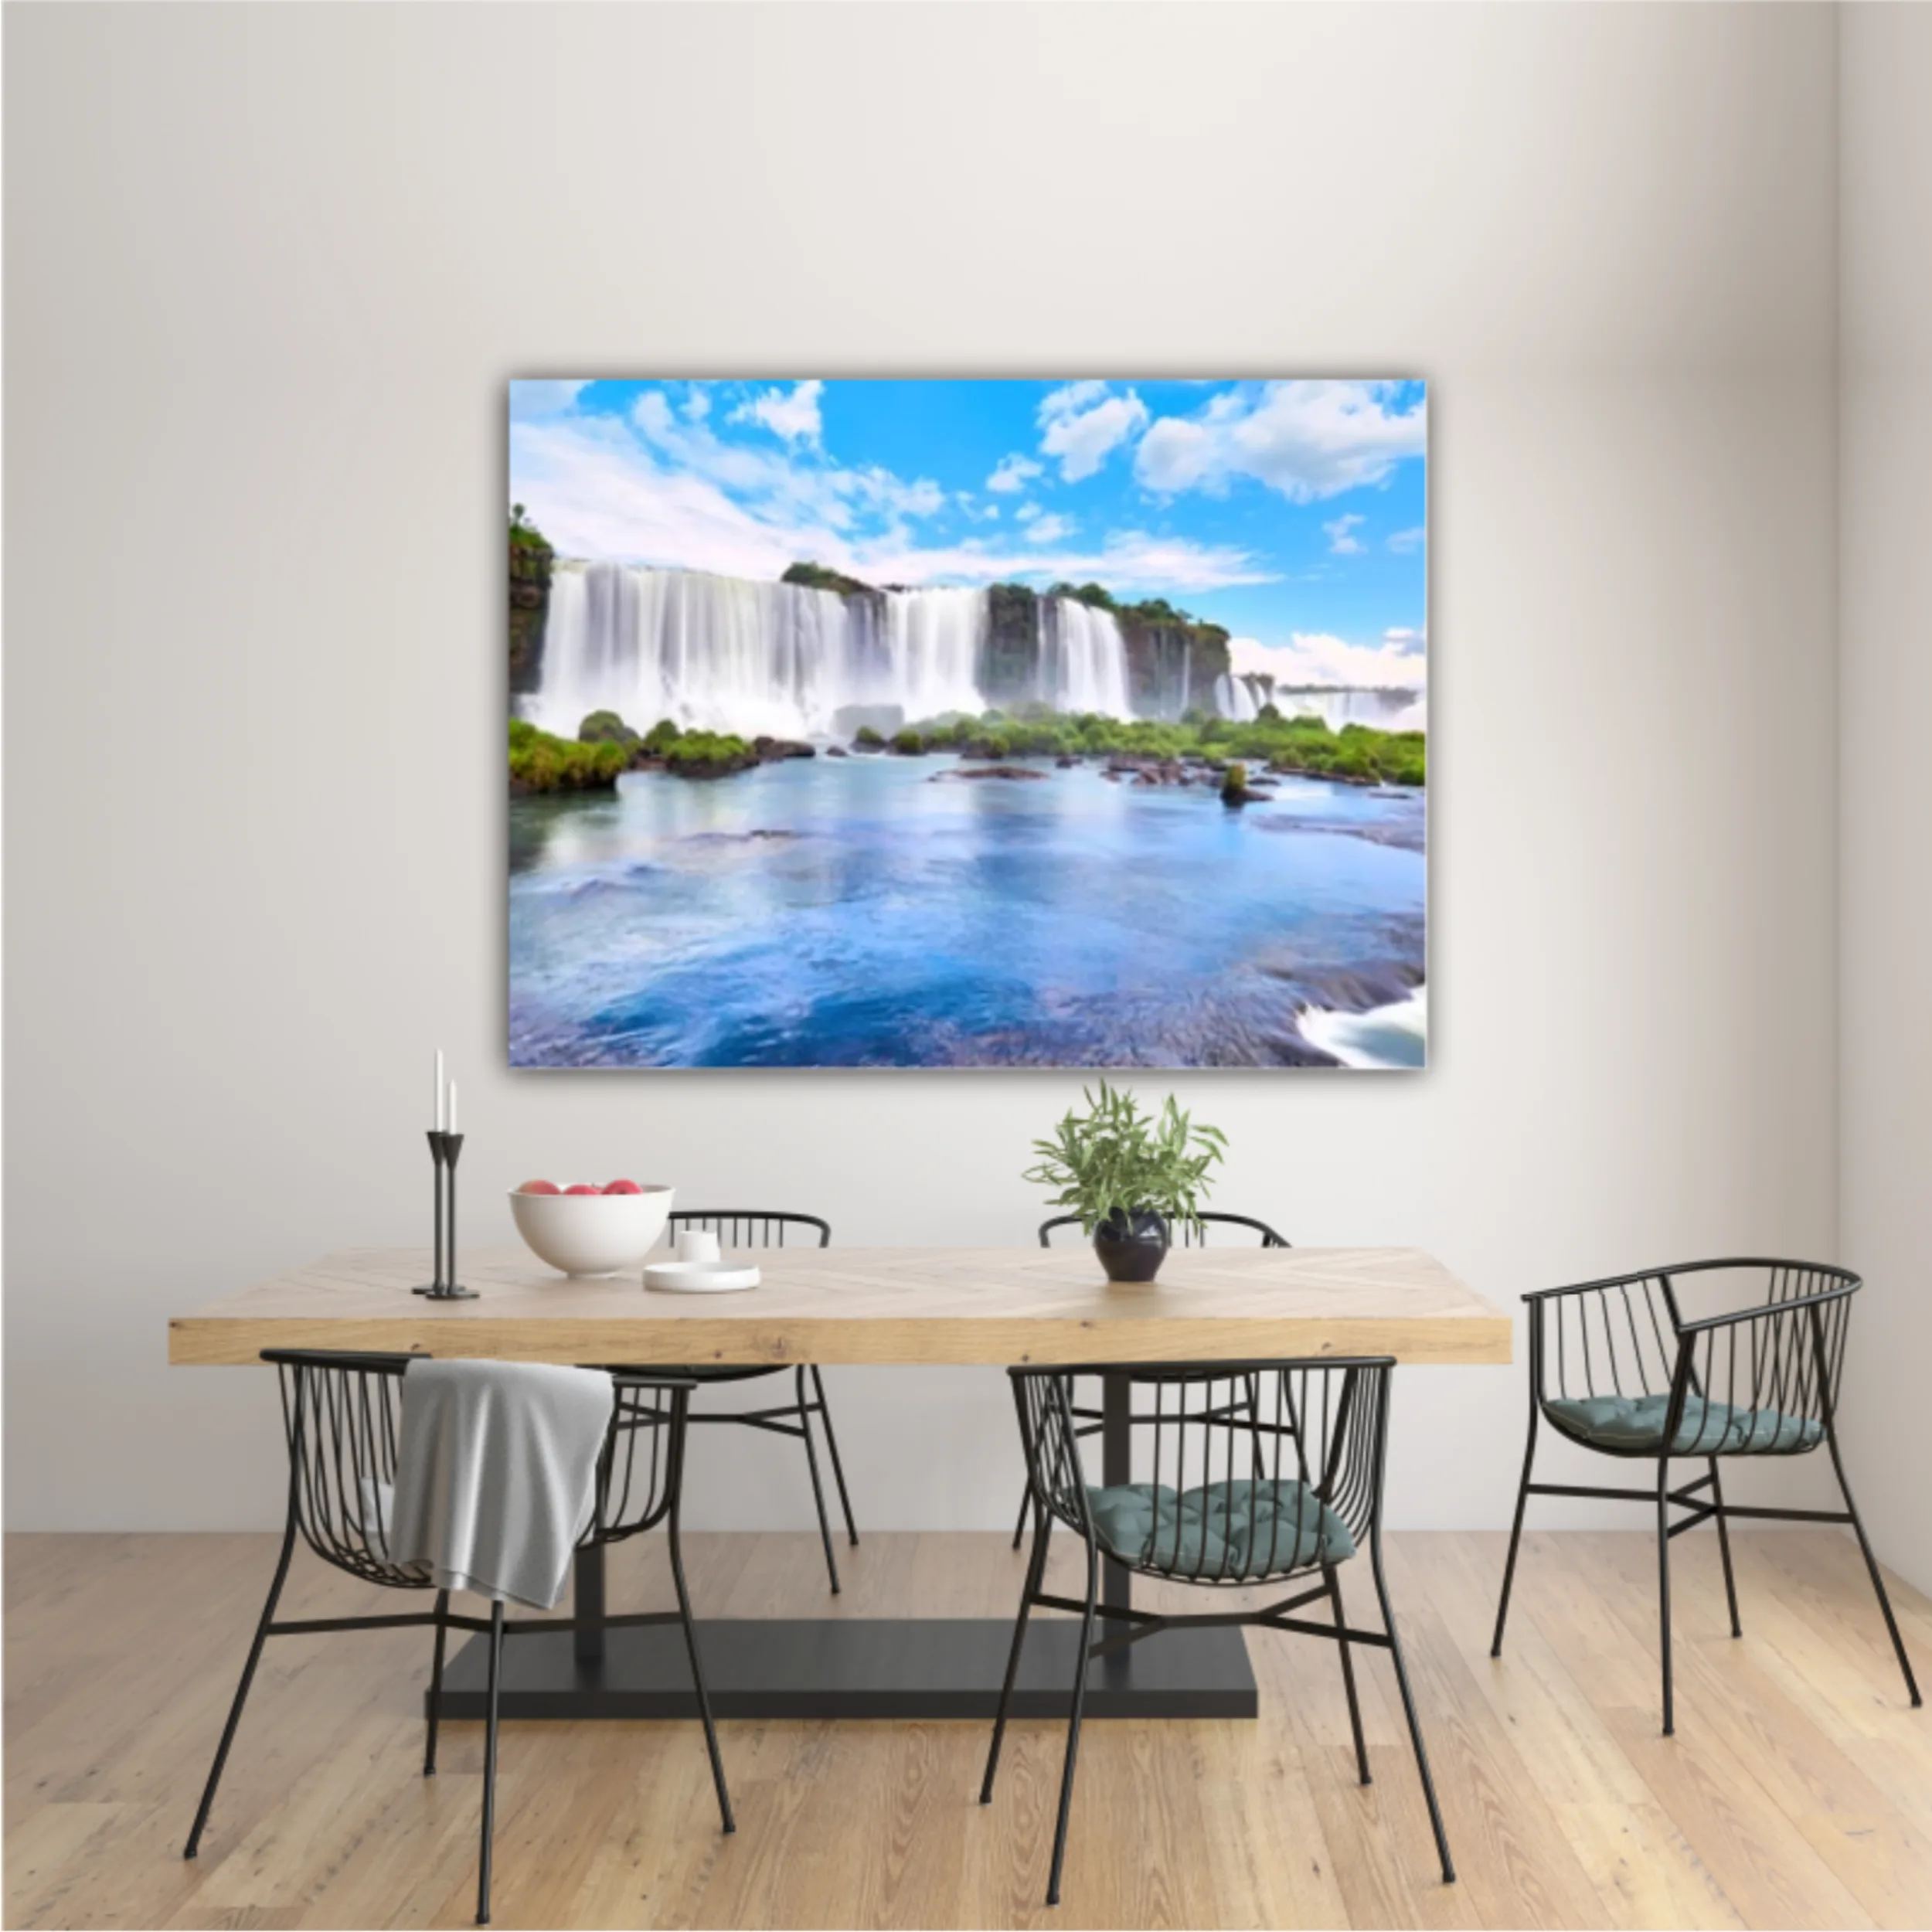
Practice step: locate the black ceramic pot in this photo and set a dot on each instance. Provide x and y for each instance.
(1132, 1247)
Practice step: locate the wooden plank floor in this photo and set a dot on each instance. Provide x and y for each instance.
(1798, 1791)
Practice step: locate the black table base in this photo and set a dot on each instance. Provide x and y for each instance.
(848, 1667)
(821, 1668)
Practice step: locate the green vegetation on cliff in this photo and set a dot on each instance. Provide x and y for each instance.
(531, 557)
(540, 763)
(816, 577)
(526, 536)
(1152, 611)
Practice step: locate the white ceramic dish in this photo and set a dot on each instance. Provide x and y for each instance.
(591, 1235)
(700, 1277)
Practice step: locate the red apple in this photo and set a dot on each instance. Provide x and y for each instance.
(539, 1187)
(624, 1187)
(582, 1187)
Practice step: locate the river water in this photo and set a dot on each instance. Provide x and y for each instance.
(886, 911)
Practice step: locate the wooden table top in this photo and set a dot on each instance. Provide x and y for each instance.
(858, 1304)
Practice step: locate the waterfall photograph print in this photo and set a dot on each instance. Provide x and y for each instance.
(967, 723)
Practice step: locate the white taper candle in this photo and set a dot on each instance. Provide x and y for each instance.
(439, 1091)
(452, 1126)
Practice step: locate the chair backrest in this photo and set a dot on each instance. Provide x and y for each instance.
(341, 1416)
(755, 1228)
(1223, 1437)
(1190, 1235)
(1778, 1351)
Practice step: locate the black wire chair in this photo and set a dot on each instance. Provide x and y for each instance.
(741, 1228)
(1262, 1471)
(1631, 1378)
(341, 1414)
(1191, 1236)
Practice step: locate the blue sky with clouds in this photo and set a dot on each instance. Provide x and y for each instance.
(1292, 512)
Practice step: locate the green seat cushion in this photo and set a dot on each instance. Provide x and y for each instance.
(1240, 1528)
(1705, 1429)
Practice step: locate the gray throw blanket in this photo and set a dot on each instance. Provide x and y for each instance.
(496, 1474)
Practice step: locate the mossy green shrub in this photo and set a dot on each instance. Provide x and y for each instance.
(540, 763)
(661, 737)
(908, 743)
(708, 754)
(606, 727)
(871, 739)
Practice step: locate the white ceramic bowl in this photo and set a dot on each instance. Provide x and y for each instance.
(591, 1234)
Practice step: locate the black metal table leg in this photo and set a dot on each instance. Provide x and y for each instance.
(587, 1590)
(1117, 1441)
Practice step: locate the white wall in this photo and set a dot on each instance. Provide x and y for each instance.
(1884, 906)
(267, 271)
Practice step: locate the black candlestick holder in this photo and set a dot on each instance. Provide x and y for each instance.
(443, 1150)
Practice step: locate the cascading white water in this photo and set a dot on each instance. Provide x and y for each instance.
(1083, 658)
(935, 641)
(1390, 710)
(726, 653)
(1234, 698)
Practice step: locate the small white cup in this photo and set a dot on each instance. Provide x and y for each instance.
(697, 1244)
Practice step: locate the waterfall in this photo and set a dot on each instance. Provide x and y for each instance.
(1234, 698)
(1083, 659)
(726, 653)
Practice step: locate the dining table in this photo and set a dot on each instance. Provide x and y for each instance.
(906, 1307)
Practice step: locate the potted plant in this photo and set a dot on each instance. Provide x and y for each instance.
(1129, 1176)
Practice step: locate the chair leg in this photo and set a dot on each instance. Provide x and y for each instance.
(1019, 1528)
(1409, 1708)
(489, 1764)
(1663, 1583)
(241, 1692)
(1515, 1532)
(1724, 1548)
(436, 1684)
(832, 1445)
(1872, 1570)
(818, 1488)
(697, 1666)
(1347, 1670)
(1073, 1727)
(1036, 1568)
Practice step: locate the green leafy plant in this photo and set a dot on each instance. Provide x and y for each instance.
(1116, 1160)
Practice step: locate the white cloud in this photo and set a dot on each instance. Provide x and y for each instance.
(1026, 512)
(1012, 474)
(1082, 422)
(792, 414)
(1070, 398)
(1342, 541)
(1410, 540)
(1306, 440)
(1050, 530)
(1404, 637)
(530, 398)
(1129, 560)
(655, 489)
(697, 405)
(1315, 658)
(882, 490)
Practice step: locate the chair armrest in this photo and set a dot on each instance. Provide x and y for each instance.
(1764, 1310)
(1594, 1288)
